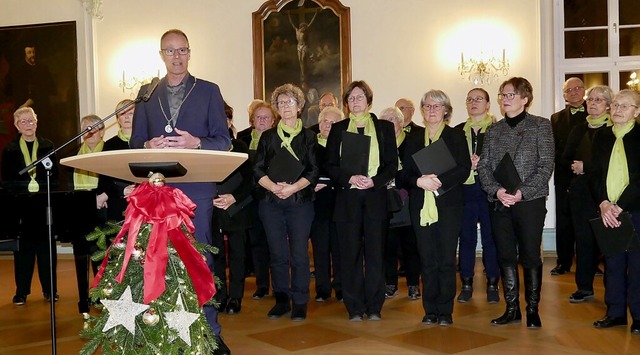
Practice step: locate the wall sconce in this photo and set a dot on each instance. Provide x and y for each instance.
(633, 82)
(481, 71)
(133, 82)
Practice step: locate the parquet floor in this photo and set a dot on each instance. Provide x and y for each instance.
(567, 328)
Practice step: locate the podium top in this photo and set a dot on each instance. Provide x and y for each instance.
(201, 165)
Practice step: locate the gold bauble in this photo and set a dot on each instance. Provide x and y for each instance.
(156, 179)
(150, 317)
(108, 290)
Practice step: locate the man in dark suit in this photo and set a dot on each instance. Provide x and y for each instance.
(188, 113)
(562, 122)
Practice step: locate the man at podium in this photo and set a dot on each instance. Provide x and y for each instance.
(185, 112)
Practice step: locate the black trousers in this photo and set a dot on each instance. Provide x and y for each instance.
(259, 249)
(405, 238)
(437, 244)
(582, 209)
(517, 232)
(326, 254)
(34, 248)
(234, 257)
(565, 239)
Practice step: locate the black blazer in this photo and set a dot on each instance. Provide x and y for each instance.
(376, 199)
(304, 145)
(240, 220)
(13, 162)
(601, 154)
(562, 122)
(451, 180)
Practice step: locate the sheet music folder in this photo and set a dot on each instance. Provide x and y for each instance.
(284, 167)
(507, 175)
(434, 158)
(354, 156)
(616, 240)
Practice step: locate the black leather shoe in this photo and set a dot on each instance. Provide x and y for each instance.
(559, 270)
(445, 320)
(635, 327)
(260, 293)
(430, 319)
(533, 320)
(279, 310)
(299, 312)
(608, 322)
(234, 306)
(222, 349)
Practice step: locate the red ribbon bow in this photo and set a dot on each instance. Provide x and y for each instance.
(167, 209)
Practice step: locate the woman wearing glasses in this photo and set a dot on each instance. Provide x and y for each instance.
(582, 207)
(23, 150)
(615, 185)
(361, 202)
(518, 215)
(286, 206)
(436, 206)
(476, 207)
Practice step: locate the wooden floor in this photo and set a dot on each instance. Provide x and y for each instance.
(567, 328)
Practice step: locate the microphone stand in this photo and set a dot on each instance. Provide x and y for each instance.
(48, 164)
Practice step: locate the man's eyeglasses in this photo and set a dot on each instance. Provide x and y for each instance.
(507, 96)
(286, 103)
(477, 99)
(434, 107)
(356, 98)
(576, 89)
(621, 107)
(172, 51)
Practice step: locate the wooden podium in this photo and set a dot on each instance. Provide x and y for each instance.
(201, 165)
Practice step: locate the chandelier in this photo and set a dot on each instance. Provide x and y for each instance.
(132, 83)
(482, 70)
(633, 82)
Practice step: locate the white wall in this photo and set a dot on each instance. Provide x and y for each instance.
(401, 48)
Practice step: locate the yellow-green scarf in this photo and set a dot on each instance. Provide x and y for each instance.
(322, 140)
(618, 173)
(599, 121)
(123, 136)
(82, 179)
(255, 138)
(483, 124)
(369, 130)
(399, 139)
(293, 132)
(429, 211)
(28, 159)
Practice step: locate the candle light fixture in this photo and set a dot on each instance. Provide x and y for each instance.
(483, 70)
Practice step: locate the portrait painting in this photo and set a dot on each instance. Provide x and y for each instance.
(38, 68)
(303, 42)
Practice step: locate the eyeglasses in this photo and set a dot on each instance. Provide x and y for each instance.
(621, 107)
(597, 100)
(286, 103)
(402, 108)
(576, 89)
(434, 107)
(507, 96)
(24, 121)
(330, 104)
(356, 98)
(477, 99)
(326, 122)
(263, 118)
(172, 51)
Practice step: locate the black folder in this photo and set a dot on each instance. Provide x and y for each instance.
(434, 158)
(284, 167)
(354, 156)
(616, 240)
(507, 175)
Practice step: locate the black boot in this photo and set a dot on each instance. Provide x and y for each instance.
(493, 291)
(510, 284)
(282, 306)
(532, 288)
(466, 291)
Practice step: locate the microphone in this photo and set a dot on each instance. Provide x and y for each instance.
(150, 89)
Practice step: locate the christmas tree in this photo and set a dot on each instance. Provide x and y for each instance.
(153, 281)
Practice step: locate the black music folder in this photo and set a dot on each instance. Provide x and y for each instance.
(507, 175)
(284, 167)
(354, 156)
(616, 240)
(435, 159)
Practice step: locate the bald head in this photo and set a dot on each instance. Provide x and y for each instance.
(573, 91)
(407, 108)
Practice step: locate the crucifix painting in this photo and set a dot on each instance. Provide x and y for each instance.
(303, 42)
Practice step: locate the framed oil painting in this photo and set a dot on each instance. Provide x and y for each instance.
(303, 42)
(38, 68)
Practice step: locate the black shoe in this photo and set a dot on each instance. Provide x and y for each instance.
(466, 290)
(260, 293)
(533, 320)
(322, 296)
(374, 316)
(279, 310)
(511, 315)
(19, 300)
(430, 319)
(414, 293)
(559, 270)
(608, 322)
(222, 349)
(222, 305)
(356, 318)
(339, 295)
(234, 306)
(580, 296)
(48, 297)
(445, 320)
(635, 327)
(299, 312)
(599, 271)
(391, 291)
